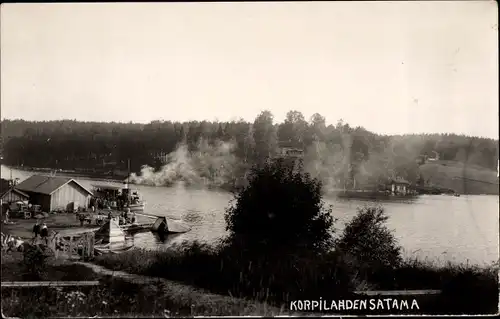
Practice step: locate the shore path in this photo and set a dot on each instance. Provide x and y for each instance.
(189, 295)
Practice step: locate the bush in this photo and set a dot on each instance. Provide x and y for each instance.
(280, 210)
(35, 261)
(367, 243)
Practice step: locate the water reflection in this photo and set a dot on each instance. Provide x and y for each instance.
(192, 217)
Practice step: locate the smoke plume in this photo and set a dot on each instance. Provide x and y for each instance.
(215, 165)
(210, 166)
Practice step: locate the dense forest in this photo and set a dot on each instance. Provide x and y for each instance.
(220, 153)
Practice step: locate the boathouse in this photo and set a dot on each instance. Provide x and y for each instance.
(55, 193)
(291, 152)
(13, 195)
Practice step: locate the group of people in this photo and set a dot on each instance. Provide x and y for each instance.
(124, 218)
(11, 243)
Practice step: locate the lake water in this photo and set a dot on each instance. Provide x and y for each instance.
(439, 228)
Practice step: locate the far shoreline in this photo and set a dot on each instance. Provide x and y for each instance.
(122, 179)
(67, 173)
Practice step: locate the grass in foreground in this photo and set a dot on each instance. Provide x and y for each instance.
(465, 289)
(114, 297)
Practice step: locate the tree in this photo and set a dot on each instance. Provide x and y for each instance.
(281, 208)
(293, 130)
(264, 136)
(367, 240)
(317, 128)
(69, 144)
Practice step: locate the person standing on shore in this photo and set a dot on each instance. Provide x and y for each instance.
(44, 233)
(81, 217)
(36, 230)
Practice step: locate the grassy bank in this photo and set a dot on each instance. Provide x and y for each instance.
(462, 178)
(465, 288)
(115, 297)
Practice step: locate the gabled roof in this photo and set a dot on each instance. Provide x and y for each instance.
(15, 190)
(400, 181)
(46, 184)
(110, 187)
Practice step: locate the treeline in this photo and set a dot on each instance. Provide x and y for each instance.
(343, 156)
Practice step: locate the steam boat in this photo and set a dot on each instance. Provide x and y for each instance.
(117, 198)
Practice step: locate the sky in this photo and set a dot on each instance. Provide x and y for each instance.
(391, 67)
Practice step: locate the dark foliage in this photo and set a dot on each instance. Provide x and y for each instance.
(113, 298)
(233, 271)
(280, 209)
(103, 148)
(35, 261)
(368, 242)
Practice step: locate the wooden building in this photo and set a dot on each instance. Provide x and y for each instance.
(13, 195)
(291, 152)
(5, 184)
(55, 193)
(400, 187)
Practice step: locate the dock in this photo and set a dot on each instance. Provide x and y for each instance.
(173, 225)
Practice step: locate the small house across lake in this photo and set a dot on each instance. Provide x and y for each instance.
(55, 193)
(400, 187)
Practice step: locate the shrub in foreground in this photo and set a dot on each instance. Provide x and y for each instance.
(369, 247)
(280, 208)
(35, 261)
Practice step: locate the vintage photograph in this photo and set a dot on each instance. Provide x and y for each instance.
(185, 159)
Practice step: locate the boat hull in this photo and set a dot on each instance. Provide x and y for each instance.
(377, 196)
(161, 226)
